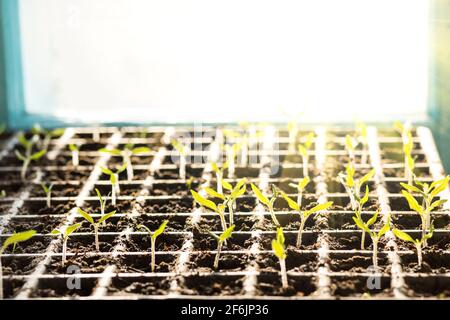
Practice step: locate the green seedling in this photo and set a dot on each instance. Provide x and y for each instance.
(362, 131)
(243, 141)
(230, 199)
(405, 131)
(183, 151)
(428, 192)
(418, 243)
(267, 202)
(48, 135)
(350, 145)
(102, 203)
(219, 174)
(126, 154)
(3, 194)
(94, 224)
(353, 186)
(75, 150)
(48, 192)
(114, 180)
(12, 240)
(65, 233)
(28, 156)
(220, 241)
(219, 209)
(304, 214)
(375, 236)
(280, 253)
(153, 236)
(303, 149)
(189, 183)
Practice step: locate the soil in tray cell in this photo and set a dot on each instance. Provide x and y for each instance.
(241, 222)
(126, 189)
(411, 221)
(213, 285)
(122, 206)
(357, 262)
(204, 262)
(166, 206)
(309, 240)
(173, 174)
(352, 241)
(297, 159)
(57, 287)
(285, 185)
(141, 160)
(113, 224)
(68, 175)
(433, 262)
(103, 136)
(58, 190)
(143, 134)
(42, 225)
(420, 172)
(270, 285)
(5, 207)
(245, 204)
(39, 207)
(243, 172)
(152, 221)
(431, 286)
(165, 242)
(86, 264)
(296, 260)
(172, 189)
(343, 203)
(439, 241)
(37, 244)
(334, 186)
(344, 220)
(11, 287)
(395, 187)
(361, 286)
(205, 242)
(399, 203)
(142, 262)
(12, 190)
(146, 286)
(19, 265)
(290, 221)
(84, 243)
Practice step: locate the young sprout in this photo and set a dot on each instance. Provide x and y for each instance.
(114, 180)
(304, 215)
(29, 155)
(153, 236)
(353, 186)
(231, 152)
(364, 226)
(126, 154)
(220, 241)
(350, 146)
(362, 130)
(428, 193)
(267, 202)
(65, 233)
(219, 174)
(97, 224)
(75, 149)
(12, 240)
(48, 192)
(303, 150)
(405, 131)
(219, 209)
(183, 150)
(102, 203)
(48, 134)
(280, 253)
(189, 183)
(417, 242)
(229, 200)
(2, 194)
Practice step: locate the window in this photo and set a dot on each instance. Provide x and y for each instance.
(192, 60)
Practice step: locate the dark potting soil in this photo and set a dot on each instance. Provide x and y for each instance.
(141, 263)
(42, 225)
(345, 286)
(141, 286)
(85, 263)
(37, 244)
(270, 285)
(176, 222)
(165, 242)
(296, 261)
(19, 265)
(40, 208)
(204, 262)
(357, 263)
(212, 285)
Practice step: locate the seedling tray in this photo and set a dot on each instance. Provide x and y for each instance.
(330, 264)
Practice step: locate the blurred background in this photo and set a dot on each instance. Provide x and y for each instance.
(76, 62)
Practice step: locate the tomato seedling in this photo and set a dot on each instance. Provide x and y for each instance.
(353, 186)
(280, 252)
(219, 209)
(12, 240)
(225, 235)
(418, 243)
(48, 192)
(153, 236)
(114, 180)
(47, 134)
(28, 156)
(94, 224)
(65, 233)
(303, 149)
(183, 151)
(126, 154)
(267, 202)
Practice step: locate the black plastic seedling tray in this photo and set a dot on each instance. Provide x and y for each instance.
(329, 264)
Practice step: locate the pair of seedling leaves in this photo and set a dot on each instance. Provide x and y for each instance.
(28, 155)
